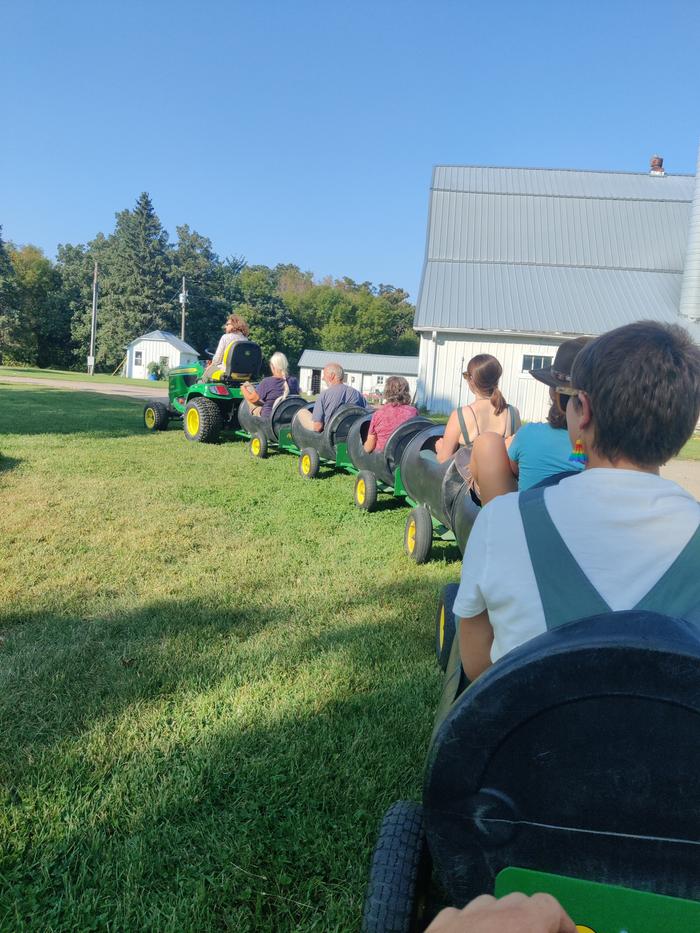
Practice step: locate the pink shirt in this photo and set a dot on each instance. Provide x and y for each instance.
(386, 419)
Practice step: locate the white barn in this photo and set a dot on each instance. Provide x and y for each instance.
(518, 260)
(367, 372)
(159, 346)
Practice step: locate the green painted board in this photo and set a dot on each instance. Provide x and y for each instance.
(606, 908)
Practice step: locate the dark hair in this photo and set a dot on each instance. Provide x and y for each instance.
(555, 416)
(484, 371)
(238, 324)
(643, 381)
(396, 391)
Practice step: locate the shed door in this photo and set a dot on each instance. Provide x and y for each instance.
(315, 381)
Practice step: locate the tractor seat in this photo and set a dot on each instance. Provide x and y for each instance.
(242, 359)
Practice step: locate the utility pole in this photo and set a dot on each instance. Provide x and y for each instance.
(183, 302)
(93, 328)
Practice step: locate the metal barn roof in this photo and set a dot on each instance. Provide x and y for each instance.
(552, 251)
(168, 338)
(361, 362)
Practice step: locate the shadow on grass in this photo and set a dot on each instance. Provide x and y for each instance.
(250, 795)
(7, 464)
(35, 410)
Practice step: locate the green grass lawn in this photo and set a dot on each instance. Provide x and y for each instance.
(691, 451)
(214, 678)
(35, 373)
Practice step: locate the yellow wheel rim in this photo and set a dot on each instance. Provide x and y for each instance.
(582, 929)
(361, 491)
(149, 416)
(192, 421)
(411, 537)
(442, 627)
(255, 446)
(306, 464)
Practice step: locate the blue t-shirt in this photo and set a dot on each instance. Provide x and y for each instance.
(540, 451)
(270, 390)
(330, 401)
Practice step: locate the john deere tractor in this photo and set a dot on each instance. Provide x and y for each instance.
(206, 408)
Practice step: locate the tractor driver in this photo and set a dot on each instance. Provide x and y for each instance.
(235, 328)
(330, 400)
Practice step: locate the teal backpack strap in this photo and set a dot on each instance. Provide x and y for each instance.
(677, 592)
(565, 590)
(463, 426)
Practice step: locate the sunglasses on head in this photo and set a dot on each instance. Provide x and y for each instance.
(562, 395)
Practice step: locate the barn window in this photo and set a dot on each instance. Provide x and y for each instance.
(380, 380)
(535, 362)
(138, 358)
(352, 380)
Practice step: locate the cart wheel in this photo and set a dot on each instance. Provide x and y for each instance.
(399, 872)
(366, 490)
(309, 462)
(258, 446)
(156, 416)
(445, 628)
(418, 536)
(202, 421)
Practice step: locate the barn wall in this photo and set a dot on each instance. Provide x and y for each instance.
(363, 382)
(442, 361)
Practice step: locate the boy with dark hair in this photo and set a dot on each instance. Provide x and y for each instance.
(617, 536)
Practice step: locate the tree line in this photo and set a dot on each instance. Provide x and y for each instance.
(45, 306)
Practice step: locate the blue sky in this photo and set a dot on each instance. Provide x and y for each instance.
(306, 131)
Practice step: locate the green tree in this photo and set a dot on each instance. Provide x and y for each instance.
(194, 258)
(76, 264)
(9, 306)
(138, 290)
(43, 332)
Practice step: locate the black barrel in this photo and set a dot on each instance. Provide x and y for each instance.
(334, 432)
(382, 463)
(282, 414)
(463, 512)
(422, 475)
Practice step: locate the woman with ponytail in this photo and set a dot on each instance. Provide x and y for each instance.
(488, 412)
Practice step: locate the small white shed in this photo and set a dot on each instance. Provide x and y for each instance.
(366, 372)
(157, 347)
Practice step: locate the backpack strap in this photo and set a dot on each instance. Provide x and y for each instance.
(565, 590)
(677, 592)
(463, 426)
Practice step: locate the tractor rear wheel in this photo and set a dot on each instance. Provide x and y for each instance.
(309, 462)
(418, 534)
(156, 416)
(366, 490)
(258, 446)
(202, 421)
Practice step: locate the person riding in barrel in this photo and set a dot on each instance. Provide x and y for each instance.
(330, 400)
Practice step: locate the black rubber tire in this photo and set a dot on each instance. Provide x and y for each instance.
(445, 628)
(258, 446)
(206, 427)
(418, 534)
(400, 868)
(309, 462)
(156, 416)
(365, 490)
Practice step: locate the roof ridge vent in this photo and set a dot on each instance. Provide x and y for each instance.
(690, 286)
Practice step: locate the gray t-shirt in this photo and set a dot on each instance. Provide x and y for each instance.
(330, 401)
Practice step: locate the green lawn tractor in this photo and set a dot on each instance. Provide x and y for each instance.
(206, 408)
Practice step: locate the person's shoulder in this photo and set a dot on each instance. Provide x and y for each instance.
(500, 512)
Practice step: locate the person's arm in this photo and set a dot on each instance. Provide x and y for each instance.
(250, 393)
(475, 640)
(515, 913)
(449, 442)
(513, 448)
(371, 441)
(317, 417)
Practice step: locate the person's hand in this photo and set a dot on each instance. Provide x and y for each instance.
(515, 913)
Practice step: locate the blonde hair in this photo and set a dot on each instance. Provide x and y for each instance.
(279, 361)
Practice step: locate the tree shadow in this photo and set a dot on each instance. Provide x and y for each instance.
(7, 464)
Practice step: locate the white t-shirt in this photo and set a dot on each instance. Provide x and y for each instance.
(624, 529)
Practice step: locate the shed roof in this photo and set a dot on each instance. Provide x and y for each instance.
(168, 338)
(552, 251)
(362, 362)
